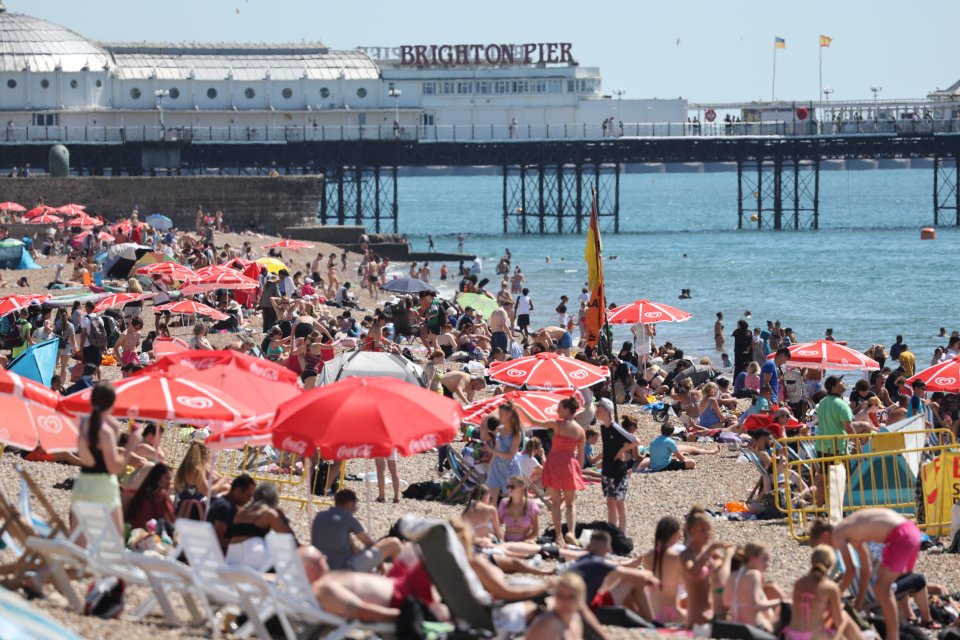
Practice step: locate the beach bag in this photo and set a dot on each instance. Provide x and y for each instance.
(105, 598)
(97, 335)
(793, 381)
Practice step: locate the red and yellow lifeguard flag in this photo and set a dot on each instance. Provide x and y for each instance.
(825, 41)
(596, 311)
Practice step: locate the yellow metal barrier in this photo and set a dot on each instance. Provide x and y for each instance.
(869, 470)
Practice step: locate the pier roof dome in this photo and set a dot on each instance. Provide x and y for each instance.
(41, 46)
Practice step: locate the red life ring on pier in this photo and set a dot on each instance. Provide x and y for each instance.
(802, 113)
(711, 115)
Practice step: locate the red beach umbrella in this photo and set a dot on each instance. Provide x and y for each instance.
(17, 386)
(28, 424)
(263, 385)
(83, 220)
(289, 244)
(164, 346)
(72, 209)
(36, 211)
(365, 418)
(9, 304)
(157, 397)
(175, 270)
(12, 206)
(547, 371)
(46, 218)
(542, 405)
(120, 300)
(824, 354)
(190, 307)
(646, 312)
(943, 376)
(217, 277)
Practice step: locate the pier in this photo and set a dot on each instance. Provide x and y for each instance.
(549, 172)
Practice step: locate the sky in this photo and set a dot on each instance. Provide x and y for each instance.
(706, 52)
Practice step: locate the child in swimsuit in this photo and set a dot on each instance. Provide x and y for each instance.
(816, 599)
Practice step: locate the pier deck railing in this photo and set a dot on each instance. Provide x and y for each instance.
(469, 133)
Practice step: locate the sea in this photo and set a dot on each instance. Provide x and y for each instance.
(865, 273)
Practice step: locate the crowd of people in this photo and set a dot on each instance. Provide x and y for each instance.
(534, 470)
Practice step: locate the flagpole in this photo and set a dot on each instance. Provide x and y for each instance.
(820, 69)
(773, 86)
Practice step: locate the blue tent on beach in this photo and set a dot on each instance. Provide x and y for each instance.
(14, 255)
(38, 362)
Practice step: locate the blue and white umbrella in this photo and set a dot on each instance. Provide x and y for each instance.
(159, 221)
(23, 621)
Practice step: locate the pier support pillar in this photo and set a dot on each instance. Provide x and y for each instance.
(780, 192)
(946, 189)
(359, 193)
(560, 196)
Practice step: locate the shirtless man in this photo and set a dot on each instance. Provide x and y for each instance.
(129, 341)
(901, 545)
(500, 330)
(610, 584)
(461, 385)
(564, 340)
(373, 277)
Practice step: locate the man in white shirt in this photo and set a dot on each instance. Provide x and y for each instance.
(524, 307)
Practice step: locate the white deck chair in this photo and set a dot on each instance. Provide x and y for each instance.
(199, 543)
(169, 576)
(296, 593)
(259, 601)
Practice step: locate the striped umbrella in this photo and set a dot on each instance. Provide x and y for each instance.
(825, 354)
(288, 244)
(190, 307)
(542, 405)
(12, 206)
(10, 304)
(547, 371)
(46, 218)
(175, 270)
(120, 300)
(943, 376)
(646, 312)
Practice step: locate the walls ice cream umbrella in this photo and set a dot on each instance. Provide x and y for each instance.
(824, 354)
(28, 425)
(542, 405)
(943, 376)
(646, 312)
(190, 308)
(120, 300)
(547, 371)
(289, 244)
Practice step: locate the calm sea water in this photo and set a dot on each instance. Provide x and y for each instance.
(866, 273)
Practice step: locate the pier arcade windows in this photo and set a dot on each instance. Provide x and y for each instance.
(429, 88)
(45, 120)
(501, 86)
(135, 93)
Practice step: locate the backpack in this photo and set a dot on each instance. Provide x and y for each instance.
(14, 337)
(97, 333)
(793, 382)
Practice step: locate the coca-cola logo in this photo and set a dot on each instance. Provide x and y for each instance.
(264, 372)
(356, 451)
(424, 443)
(199, 364)
(294, 445)
(944, 381)
(50, 424)
(195, 402)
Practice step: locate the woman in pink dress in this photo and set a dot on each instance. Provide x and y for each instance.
(562, 475)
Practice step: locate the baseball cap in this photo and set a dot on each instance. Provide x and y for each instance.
(606, 403)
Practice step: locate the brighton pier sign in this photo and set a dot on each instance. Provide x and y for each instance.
(463, 54)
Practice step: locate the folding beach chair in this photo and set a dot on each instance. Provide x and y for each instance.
(465, 477)
(296, 597)
(19, 523)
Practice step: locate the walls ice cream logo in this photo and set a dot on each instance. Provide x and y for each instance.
(944, 381)
(516, 373)
(50, 424)
(807, 352)
(653, 315)
(424, 443)
(194, 402)
(579, 374)
(358, 451)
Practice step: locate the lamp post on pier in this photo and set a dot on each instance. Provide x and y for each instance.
(160, 95)
(395, 94)
(876, 89)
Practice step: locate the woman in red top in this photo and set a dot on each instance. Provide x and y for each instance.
(152, 500)
(562, 471)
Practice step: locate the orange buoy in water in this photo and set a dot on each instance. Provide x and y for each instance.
(928, 233)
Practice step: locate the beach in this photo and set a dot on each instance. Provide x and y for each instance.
(716, 480)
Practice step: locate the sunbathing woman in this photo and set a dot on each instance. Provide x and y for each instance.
(816, 600)
(746, 593)
(665, 563)
(705, 563)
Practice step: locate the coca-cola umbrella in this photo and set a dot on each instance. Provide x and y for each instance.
(825, 354)
(547, 371)
(120, 300)
(9, 304)
(191, 307)
(263, 385)
(542, 405)
(646, 312)
(27, 425)
(288, 244)
(162, 398)
(943, 376)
